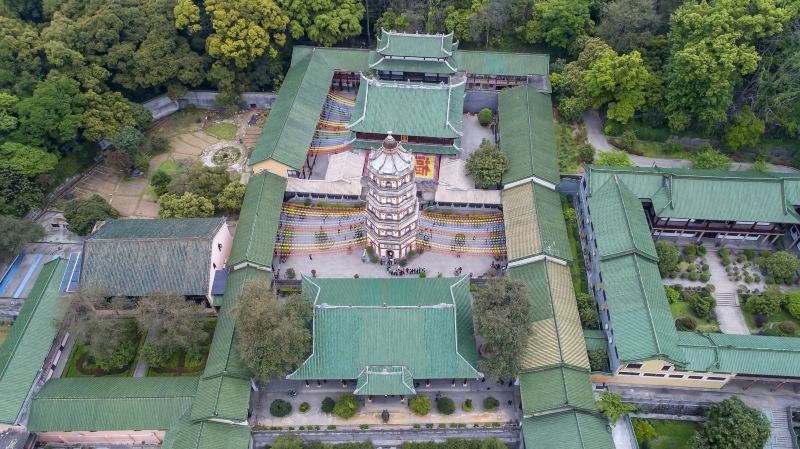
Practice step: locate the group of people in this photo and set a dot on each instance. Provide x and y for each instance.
(400, 271)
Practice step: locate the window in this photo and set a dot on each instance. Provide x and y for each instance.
(623, 373)
(633, 366)
(219, 246)
(214, 265)
(666, 367)
(695, 377)
(715, 378)
(654, 375)
(676, 376)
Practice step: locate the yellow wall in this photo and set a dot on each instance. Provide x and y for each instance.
(103, 437)
(652, 373)
(272, 167)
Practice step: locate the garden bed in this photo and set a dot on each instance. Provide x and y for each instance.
(682, 309)
(772, 325)
(223, 131)
(180, 365)
(79, 365)
(671, 434)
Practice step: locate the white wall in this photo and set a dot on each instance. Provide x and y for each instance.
(219, 257)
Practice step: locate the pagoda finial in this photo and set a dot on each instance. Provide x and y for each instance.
(389, 143)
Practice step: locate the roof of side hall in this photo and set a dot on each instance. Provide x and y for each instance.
(135, 257)
(367, 323)
(438, 46)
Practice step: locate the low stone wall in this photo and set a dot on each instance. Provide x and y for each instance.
(163, 106)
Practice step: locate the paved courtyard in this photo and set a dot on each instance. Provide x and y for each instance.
(474, 134)
(370, 412)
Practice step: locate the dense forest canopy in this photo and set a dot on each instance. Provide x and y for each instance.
(72, 72)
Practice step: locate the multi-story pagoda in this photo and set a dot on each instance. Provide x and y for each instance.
(392, 210)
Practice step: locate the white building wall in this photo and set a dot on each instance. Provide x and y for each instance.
(219, 256)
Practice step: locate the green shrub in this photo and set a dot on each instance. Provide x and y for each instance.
(702, 304)
(304, 407)
(749, 254)
(346, 406)
(331, 427)
(705, 277)
(701, 250)
(280, 408)
(485, 116)
(724, 252)
(467, 405)
(686, 323)
(420, 405)
(693, 276)
(445, 405)
(644, 431)
(690, 252)
(290, 274)
(597, 359)
(327, 405)
(673, 295)
(365, 426)
(793, 304)
(490, 403)
(668, 257)
(788, 327)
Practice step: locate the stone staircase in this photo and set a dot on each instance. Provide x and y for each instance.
(727, 299)
(780, 438)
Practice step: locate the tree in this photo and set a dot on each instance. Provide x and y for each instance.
(26, 160)
(623, 82)
(188, 205)
(83, 214)
(587, 311)
(324, 21)
(598, 359)
(501, 317)
(8, 119)
(558, 22)
(485, 116)
(612, 406)
(708, 158)
(420, 405)
(18, 193)
(346, 406)
(108, 114)
(231, 197)
(732, 424)
(327, 405)
(245, 29)
(777, 96)
(629, 24)
(280, 408)
(174, 323)
(613, 159)
(644, 431)
(159, 181)
(782, 264)
(445, 406)
(487, 164)
(273, 338)
(15, 232)
(52, 115)
(204, 181)
(712, 49)
(129, 140)
(668, 257)
(744, 131)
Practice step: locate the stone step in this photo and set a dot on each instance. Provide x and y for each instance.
(781, 437)
(727, 299)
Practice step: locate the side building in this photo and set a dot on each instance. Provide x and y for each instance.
(622, 210)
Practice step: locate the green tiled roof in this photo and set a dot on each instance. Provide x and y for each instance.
(222, 397)
(741, 354)
(526, 134)
(206, 435)
(499, 63)
(165, 228)
(291, 123)
(411, 109)
(534, 223)
(223, 357)
(640, 315)
(567, 430)
(349, 59)
(381, 323)
(415, 45)
(595, 340)
(413, 147)
(377, 62)
(258, 221)
(111, 403)
(385, 381)
(236, 279)
(556, 388)
(556, 337)
(619, 222)
(133, 257)
(26, 347)
(709, 195)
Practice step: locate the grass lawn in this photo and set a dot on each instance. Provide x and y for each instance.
(71, 369)
(170, 167)
(223, 131)
(672, 434)
(775, 320)
(4, 330)
(683, 308)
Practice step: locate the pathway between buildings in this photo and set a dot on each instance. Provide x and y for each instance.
(597, 139)
(729, 313)
(623, 436)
